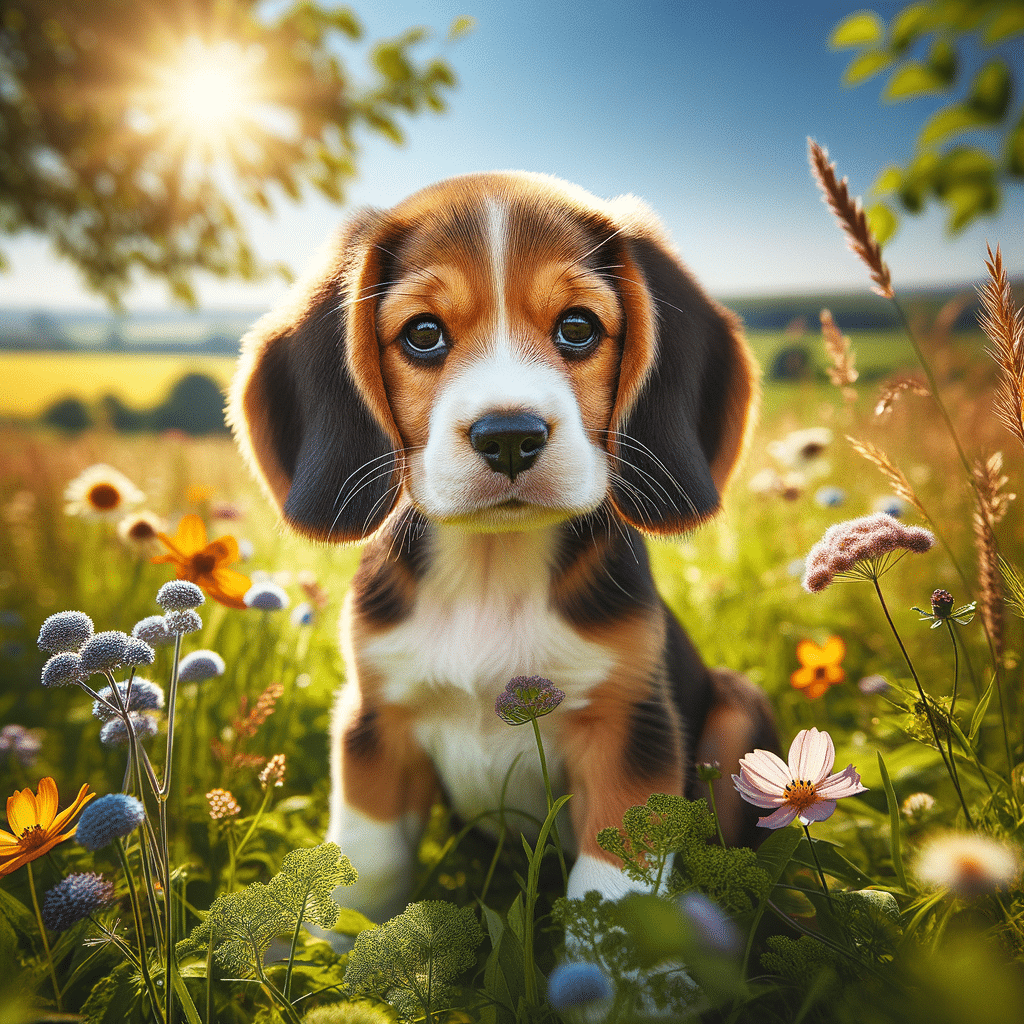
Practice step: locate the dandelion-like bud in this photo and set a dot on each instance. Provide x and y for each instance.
(153, 631)
(180, 623)
(942, 604)
(65, 631)
(715, 929)
(105, 651)
(179, 596)
(917, 804)
(74, 899)
(145, 696)
(222, 804)
(108, 818)
(115, 732)
(969, 865)
(63, 670)
(273, 773)
(198, 666)
(708, 771)
(138, 652)
(24, 744)
(267, 597)
(525, 698)
(862, 549)
(577, 984)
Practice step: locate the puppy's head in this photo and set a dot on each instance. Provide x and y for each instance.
(508, 350)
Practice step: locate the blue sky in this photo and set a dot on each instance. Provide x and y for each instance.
(703, 109)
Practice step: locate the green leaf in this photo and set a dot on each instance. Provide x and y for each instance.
(979, 712)
(888, 181)
(862, 28)
(832, 861)
(866, 65)
(968, 201)
(910, 24)
(1007, 23)
(351, 922)
(894, 824)
(461, 26)
(951, 121)
(991, 90)
(912, 80)
(882, 221)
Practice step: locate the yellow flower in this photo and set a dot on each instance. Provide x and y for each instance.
(35, 824)
(820, 667)
(100, 492)
(206, 563)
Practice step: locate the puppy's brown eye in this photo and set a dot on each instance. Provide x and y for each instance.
(577, 331)
(424, 338)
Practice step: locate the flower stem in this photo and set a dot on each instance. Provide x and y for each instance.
(140, 930)
(924, 700)
(42, 932)
(714, 811)
(551, 799)
(817, 864)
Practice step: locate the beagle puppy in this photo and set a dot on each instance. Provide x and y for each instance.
(502, 384)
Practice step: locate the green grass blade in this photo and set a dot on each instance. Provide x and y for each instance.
(894, 824)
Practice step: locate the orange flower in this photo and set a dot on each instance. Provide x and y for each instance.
(820, 667)
(206, 564)
(35, 824)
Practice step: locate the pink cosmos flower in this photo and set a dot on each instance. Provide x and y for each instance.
(802, 789)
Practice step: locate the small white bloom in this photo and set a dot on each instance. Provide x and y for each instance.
(100, 492)
(968, 865)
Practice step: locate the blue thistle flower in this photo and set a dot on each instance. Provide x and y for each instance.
(65, 631)
(75, 898)
(115, 732)
(715, 929)
(267, 597)
(303, 614)
(180, 623)
(63, 670)
(138, 652)
(153, 631)
(577, 984)
(145, 696)
(105, 651)
(830, 497)
(199, 666)
(108, 818)
(179, 596)
(525, 698)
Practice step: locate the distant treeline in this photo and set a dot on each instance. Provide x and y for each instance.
(195, 405)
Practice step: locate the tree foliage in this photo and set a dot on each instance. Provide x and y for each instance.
(921, 50)
(132, 135)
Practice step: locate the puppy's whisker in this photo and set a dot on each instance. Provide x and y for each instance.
(367, 481)
(390, 454)
(373, 508)
(636, 445)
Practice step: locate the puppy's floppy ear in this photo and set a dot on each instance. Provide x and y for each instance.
(307, 404)
(687, 388)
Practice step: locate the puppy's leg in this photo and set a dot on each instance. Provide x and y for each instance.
(740, 720)
(617, 754)
(383, 786)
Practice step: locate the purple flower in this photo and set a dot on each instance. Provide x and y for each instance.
(198, 666)
(115, 732)
(104, 651)
(715, 929)
(145, 696)
(65, 631)
(75, 898)
(64, 669)
(267, 597)
(526, 698)
(22, 743)
(577, 984)
(153, 631)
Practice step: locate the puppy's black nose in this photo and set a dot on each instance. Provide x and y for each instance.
(509, 442)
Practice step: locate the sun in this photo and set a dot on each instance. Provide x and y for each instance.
(205, 96)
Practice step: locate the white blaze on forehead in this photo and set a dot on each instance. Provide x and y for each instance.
(497, 247)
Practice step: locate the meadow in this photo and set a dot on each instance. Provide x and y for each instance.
(857, 924)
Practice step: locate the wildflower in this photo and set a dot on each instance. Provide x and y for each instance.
(792, 486)
(273, 773)
(35, 824)
(65, 631)
(145, 696)
(820, 667)
(917, 805)
(890, 505)
(21, 743)
(75, 898)
(141, 530)
(63, 670)
(525, 698)
(873, 684)
(115, 732)
(104, 652)
(225, 510)
(302, 614)
(862, 548)
(206, 563)
(198, 666)
(708, 771)
(180, 623)
(830, 497)
(802, 789)
(222, 804)
(179, 596)
(968, 864)
(153, 631)
(765, 481)
(267, 597)
(113, 816)
(943, 611)
(100, 492)
(715, 929)
(138, 652)
(577, 984)
(802, 449)
(318, 597)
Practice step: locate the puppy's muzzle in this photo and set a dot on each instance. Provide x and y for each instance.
(509, 442)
